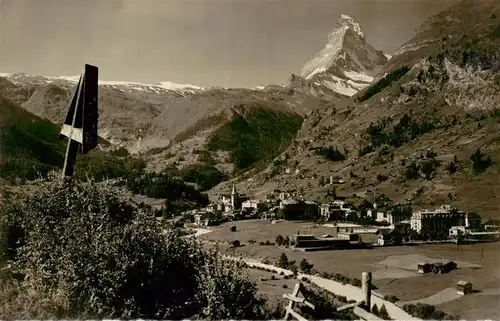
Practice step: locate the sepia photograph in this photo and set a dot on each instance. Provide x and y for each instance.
(250, 160)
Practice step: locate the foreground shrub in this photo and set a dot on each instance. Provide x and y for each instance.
(83, 251)
(426, 312)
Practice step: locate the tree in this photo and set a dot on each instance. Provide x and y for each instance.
(84, 251)
(286, 241)
(279, 240)
(261, 208)
(480, 164)
(411, 171)
(236, 243)
(283, 262)
(382, 313)
(475, 220)
(305, 266)
(375, 310)
(452, 167)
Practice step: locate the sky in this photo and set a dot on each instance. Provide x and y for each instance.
(231, 43)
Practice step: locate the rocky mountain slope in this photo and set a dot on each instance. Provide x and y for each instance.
(126, 107)
(347, 63)
(30, 147)
(426, 132)
(172, 125)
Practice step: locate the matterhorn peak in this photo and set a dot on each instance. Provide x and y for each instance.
(347, 21)
(347, 63)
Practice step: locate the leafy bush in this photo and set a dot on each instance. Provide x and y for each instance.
(383, 83)
(426, 312)
(356, 282)
(84, 252)
(429, 167)
(411, 171)
(381, 177)
(305, 266)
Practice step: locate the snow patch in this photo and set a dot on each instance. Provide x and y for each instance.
(356, 85)
(356, 76)
(173, 86)
(340, 88)
(387, 56)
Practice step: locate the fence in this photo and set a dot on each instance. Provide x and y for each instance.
(360, 308)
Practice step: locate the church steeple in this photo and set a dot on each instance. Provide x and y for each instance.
(234, 195)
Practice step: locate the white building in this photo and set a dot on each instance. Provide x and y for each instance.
(442, 218)
(454, 230)
(250, 204)
(337, 206)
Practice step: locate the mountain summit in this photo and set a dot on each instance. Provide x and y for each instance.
(347, 63)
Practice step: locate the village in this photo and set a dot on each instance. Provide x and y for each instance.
(364, 225)
(442, 257)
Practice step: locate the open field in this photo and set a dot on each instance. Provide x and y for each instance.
(273, 289)
(392, 267)
(264, 230)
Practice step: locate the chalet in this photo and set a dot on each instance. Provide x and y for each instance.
(443, 267)
(250, 204)
(424, 267)
(464, 288)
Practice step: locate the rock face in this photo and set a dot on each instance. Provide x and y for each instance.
(347, 63)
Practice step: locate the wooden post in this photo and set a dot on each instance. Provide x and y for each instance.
(294, 298)
(367, 289)
(72, 147)
(291, 304)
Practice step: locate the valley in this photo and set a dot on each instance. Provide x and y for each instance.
(364, 161)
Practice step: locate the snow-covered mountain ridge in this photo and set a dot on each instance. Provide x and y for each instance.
(20, 78)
